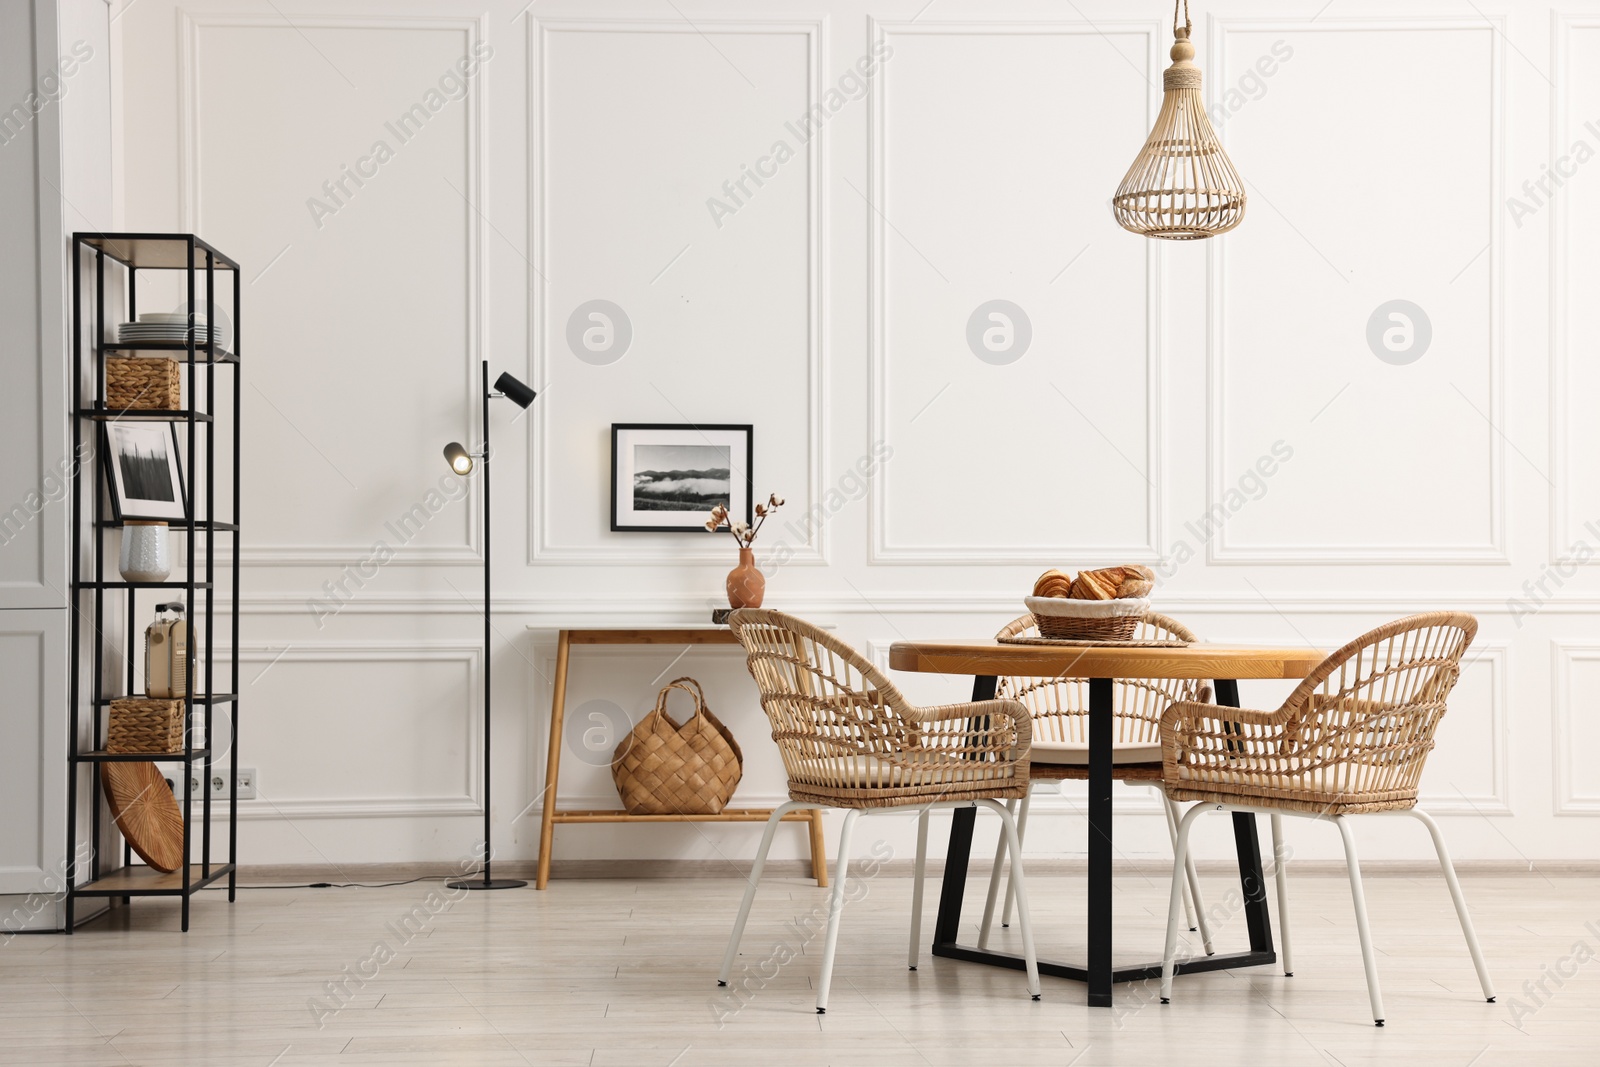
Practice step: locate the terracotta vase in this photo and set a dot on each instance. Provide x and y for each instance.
(746, 584)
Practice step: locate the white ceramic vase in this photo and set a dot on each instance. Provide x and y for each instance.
(146, 552)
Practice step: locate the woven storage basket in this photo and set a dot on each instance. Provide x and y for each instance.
(143, 382)
(140, 724)
(1061, 619)
(668, 768)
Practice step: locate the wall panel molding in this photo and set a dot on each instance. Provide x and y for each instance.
(881, 548)
(1219, 550)
(476, 279)
(1566, 755)
(620, 550)
(288, 809)
(33, 642)
(1497, 801)
(1562, 539)
(584, 610)
(37, 342)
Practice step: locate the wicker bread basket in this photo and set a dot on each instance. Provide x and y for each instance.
(1061, 619)
(143, 383)
(141, 724)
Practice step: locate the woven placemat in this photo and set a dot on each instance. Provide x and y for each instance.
(1091, 644)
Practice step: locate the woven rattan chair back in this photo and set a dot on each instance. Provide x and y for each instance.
(1352, 737)
(849, 738)
(1060, 706)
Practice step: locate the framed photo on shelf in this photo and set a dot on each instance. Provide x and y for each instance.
(142, 471)
(666, 477)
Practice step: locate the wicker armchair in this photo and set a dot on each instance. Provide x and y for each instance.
(1350, 740)
(850, 740)
(1060, 708)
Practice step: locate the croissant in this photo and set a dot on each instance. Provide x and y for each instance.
(1053, 583)
(1097, 585)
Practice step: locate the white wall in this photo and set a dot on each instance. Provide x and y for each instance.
(1382, 147)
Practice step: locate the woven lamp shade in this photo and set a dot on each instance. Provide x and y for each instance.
(1182, 187)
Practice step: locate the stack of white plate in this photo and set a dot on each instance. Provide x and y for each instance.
(162, 326)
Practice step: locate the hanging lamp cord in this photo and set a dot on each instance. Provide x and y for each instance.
(1187, 25)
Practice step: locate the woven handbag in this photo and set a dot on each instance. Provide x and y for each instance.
(664, 767)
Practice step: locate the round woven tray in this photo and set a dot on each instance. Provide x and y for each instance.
(146, 812)
(1089, 643)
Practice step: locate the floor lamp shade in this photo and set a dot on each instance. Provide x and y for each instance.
(1183, 186)
(514, 390)
(459, 458)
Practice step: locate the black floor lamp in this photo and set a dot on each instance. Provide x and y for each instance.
(460, 461)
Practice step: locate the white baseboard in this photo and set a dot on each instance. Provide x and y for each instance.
(372, 873)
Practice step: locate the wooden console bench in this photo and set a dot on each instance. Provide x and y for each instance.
(664, 635)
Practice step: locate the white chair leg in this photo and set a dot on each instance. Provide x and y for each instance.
(1180, 856)
(916, 885)
(1280, 874)
(1191, 883)
(1171, 811)
(1449, 869)
(1024, 921)
(994, 883)
(1359, 897)
(750, 887)
(1011, 887)
(835, 910)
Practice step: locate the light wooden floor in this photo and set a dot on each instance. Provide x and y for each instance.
(620, 972)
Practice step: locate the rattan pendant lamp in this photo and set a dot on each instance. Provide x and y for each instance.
(1183, 186)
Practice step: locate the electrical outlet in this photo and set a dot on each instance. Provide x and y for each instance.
(172, 773)
(246, 783)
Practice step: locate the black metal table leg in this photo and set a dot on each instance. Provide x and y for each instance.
(1100, 922)
(947, 926)
(1099, 972)
(1248, 846)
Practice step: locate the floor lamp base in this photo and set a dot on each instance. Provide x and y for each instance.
(486, 883)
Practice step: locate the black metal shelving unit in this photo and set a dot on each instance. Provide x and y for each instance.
(201, 264)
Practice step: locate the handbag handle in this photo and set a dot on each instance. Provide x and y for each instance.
(684, 684)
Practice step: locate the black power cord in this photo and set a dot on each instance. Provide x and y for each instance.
(333, 885)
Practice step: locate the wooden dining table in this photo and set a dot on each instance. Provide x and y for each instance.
(1102, 665)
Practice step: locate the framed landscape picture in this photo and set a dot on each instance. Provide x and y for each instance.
(142, 470)
(666, 477)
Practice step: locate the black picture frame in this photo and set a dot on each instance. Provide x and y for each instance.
(124, 507)
(738, 438)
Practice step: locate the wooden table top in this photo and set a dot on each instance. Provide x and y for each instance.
(670, 634)
(665, 634)
(1078, 661)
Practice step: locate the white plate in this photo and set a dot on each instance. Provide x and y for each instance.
(169, 316)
